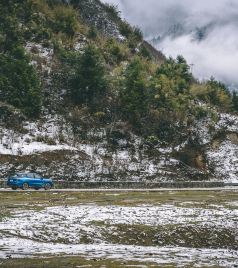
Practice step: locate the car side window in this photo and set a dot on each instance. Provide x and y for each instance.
(37, 176)
(19, 175)
(30, 175)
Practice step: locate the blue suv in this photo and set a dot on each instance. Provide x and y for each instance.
(29, 180)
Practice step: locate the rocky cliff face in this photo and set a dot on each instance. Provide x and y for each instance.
(95, 14)
(49, 146)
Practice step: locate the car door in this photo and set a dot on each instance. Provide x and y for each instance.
(31, 180)
(37, 180)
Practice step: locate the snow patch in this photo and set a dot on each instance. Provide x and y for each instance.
(32, 148)
(228, 122)
(224, 160)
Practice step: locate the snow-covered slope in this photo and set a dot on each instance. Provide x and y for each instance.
(50, 147)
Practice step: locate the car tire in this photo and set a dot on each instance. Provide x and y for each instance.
(25, 186)
(14, 188)
(47, 186)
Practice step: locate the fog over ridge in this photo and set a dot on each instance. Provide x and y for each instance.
(205, 32)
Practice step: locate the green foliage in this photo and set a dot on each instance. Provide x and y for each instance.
(112, 10)
(200, 112)
(114, 52)
(169, 99)
(157, 100)
(65, 20)
(19, 84)
(133, 92)
(164, 124)
(53, 3)
(125, 29)
(88, 82)
(55, 19)
(12, 12)
(131, 33)
(177, 71)
(170, 86)
(92, 33)
(137, 33)
(145, 53)
(235, 100)
(214, 93)
(218, 94)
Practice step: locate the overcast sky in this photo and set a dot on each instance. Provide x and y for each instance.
(216, 55)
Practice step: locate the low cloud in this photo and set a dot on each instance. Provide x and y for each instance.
(205, 32)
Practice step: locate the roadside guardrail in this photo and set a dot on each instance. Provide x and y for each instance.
(63, 184)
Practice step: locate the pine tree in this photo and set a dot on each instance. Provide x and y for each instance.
(178, 72)
(88, 83)
(19, 84)
(235, 100)
(133, 95)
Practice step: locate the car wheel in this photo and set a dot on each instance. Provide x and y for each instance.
(14, 188)
(47, 186)
(25, 186)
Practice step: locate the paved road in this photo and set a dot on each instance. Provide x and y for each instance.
(233, 188)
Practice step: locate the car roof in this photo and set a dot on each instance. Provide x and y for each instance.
(18, 174)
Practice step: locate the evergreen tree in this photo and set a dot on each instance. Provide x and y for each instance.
(133, 95)
(218, 94)
(19, 84)
(178, 72)
(88, 83)
(235, 100)
(169, 87)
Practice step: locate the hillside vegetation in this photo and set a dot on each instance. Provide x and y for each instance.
(79, 60)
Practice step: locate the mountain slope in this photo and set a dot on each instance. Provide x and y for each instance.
(93, 101)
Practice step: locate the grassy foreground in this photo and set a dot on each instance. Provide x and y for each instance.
(42, 199)
(71, 262)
